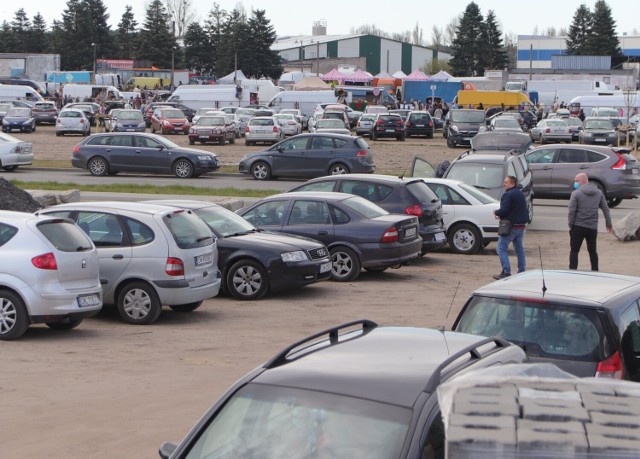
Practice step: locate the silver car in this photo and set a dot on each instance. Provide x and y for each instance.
(551, 130)
(14, 152)
(48, 274)
(72, 121)
(150, 255)
(289, 124)
(365, 123)
(263, 129)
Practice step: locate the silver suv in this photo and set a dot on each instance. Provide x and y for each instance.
(150, 255)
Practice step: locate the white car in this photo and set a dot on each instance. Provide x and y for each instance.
(365, 123)
(468, 214)
(72, 121)
(206, 111)
(49, 274)
(504, 123)
(331, 125)
(551, 130)
(303, 119)
(290, 125)
(14, 152)
(263, 129)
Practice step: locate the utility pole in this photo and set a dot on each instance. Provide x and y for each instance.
(173, 52)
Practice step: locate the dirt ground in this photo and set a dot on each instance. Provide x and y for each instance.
(112, 390)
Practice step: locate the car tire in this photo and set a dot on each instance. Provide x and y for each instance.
(338, 169)
(138, 303)
(261, 170)
(189, 307)
(345, 265)
(232, 140)
(464, 238)
(14, 320)
(402, 138)
(530, 210)
(450, 142)
(373, 136)
(68, 324)
(183, 168)
(247, 280)
(614, 202)
(192, 142)
(9, 168)
(430, 135)
(98, 166)
(223, 140)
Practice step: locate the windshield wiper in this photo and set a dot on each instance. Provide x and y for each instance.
(202, 239)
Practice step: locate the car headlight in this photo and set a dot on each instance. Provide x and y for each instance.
(204, 157)
(455, 129)
(482, 128)
(298, 255)
(192, 131)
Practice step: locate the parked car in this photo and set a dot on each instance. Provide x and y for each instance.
(263, 129)
(290, 125)
(388, 125)
(4, 108)
(189, 113)
(310, 155)
(45, 112)
(48, 274)
(73, 121)
(586, 323)
(575, 124)
(461, 125)
(598, 131)
(612, 170)
(110, 153)
(90, 110)
(552, 130)
(420, 123)
(126, 120)
(364, 124)
(504, 123)
(331, 126)
(376, 109)
(254, 262)
(14, 153)
(336, 115)
(212, 129)
(169, 121)
(515, 114)
(501, 142)
(403, 112)
(150, 255)
(355, 390)
(358, 233)
(205, 111)
(300, 117)
(19, 119)
(395, 195)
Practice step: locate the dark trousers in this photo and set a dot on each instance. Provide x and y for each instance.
(577, 235)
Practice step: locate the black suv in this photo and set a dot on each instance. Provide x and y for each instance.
(355, 390)
(461, 125)
(420, 123)
(395, 195)
(388, 125)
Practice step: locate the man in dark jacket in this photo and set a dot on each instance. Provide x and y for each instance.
(513, 207)
(583, 219)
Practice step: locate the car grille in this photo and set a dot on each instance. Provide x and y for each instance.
(316, 254)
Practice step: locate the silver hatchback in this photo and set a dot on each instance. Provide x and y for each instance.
(71, 121)
(48, 274)
(150, 256)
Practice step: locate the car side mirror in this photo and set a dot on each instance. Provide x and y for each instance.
(280, 148)
(167, 449)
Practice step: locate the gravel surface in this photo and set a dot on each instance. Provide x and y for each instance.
(13, 198)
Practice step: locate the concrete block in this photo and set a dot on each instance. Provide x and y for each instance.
(232, 204)
(601, 389)
(69, 196)
(611, 404)
(552, 427)
(609, 419)
(480, 443)
(44, 198)
(506, 408)
(619, 432)
(482, 422)
(602, 446)
(561, 444)
(553, 411)
(628, 227)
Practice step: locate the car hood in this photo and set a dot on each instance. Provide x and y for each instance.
(600, 131)
(17, 118)
(174, 120)
(193, 151)
(278, 241)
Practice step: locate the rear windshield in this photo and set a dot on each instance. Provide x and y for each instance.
(542, 329)
(6, 233)
(422, 192)
(172, 114)
(364, 207)
(65, 236)
(188, 230)
(470, 116)
(598, 124)
(478, 175)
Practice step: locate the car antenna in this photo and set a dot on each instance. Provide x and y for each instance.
(403, 172)
(444, 324)
(544, 286)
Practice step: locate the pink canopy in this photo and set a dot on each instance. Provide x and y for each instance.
(359, 76)
(333, 75)
(417, 75)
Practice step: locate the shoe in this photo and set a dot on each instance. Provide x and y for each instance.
(502, 275)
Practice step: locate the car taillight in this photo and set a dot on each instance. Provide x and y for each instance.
(76, 149)
(45, 261)
(621, 164)
(174, 267)
(399, 123)
(380, 122)
(82, 121)
(430, 123)
(247, 129)
(408, 124)
(362, 153)
(414, 210)
(275, 128)
(548, 130)
(390, 235)
(610, 368)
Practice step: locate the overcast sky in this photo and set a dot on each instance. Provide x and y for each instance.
(295, 17)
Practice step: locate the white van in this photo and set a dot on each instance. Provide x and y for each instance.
(220, 95)
(613, 99)
(305, 101)
(19, 92)
(91, 91)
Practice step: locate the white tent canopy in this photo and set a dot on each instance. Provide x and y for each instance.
(442, 75)
(399, 74)
(230, 79)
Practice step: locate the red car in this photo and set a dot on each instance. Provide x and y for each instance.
(169, 121)
(212, 129)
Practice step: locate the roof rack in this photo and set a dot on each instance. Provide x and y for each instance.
(436, 376)
(333, 333)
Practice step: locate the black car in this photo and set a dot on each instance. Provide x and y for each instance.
(358, 390)
(110, 153)
(388, 125)
(393, 194)
(310, 155)
(357, 233)
(420, 123)
(461, 125)
(254, 262)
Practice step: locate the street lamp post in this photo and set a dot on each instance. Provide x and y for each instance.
(94, 61)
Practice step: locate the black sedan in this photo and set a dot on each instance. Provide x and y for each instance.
(110, 153)
(254, 262)
(358, 233)
(310, 155)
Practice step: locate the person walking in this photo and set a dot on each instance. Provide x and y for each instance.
(513, 207)
(584, 203)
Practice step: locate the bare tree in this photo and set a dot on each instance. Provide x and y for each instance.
(437, 37)
(451, 30)
(417, 35)
(182, 13)
(370, 29)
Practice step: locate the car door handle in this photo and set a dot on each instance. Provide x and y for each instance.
(138, 151)
(118, 256)
(546, 168)
(323, 233)
(584, 166)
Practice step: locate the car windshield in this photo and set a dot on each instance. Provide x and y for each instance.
(556, 123)
(223, 222)
(598, 124)
(477, 174)
(504, 141)
(467, 116)
(364, 207)
(606, 112)
(484, 198)
(19, 112)
(188, 230)
(133, 115)
(330, 124)
(506, 122)
(273, 422)
(543, 329)
(172, 114)
(211, 121)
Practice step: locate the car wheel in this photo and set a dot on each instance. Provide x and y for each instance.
(58, 134)
(402, 138)
(247, 280)
(98, 166)
(373, 135)
(13, 316)
(430, 135)
(464, 238)
(9, 168)
(345, 265)
(138, 303)
(338, 169)
(186, 307)
(192, 142)
(64, 324)
(261, 171)
(614, 202)
(223, 140)
(183, 168)
(450, 142)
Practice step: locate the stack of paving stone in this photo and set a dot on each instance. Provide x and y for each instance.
(534, 418)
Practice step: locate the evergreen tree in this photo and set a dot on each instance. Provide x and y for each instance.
(469, 44)
(603, 40)
(156, 38)
(8, 40)
(197, 49)
(234, 44)
(95, 18)
(213, 28)
(21, 27)
(267, 62)
(127, 35)
(495, 55)
(39, 35)
(75, 52)
(579, 31)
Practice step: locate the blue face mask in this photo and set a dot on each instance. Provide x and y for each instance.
(576, 185)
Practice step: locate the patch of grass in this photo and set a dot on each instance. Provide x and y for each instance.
(146, 189)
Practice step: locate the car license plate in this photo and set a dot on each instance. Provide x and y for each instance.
(410, 232)
(260, 131)
(466, 139)
(325, 267)
(439, 237)
(88, 300)
(204, 136)
(130, 130)
(391, 130)
(204, 259)
(419, 125)
(600, 140)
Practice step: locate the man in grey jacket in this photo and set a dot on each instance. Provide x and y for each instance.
(583, 219)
